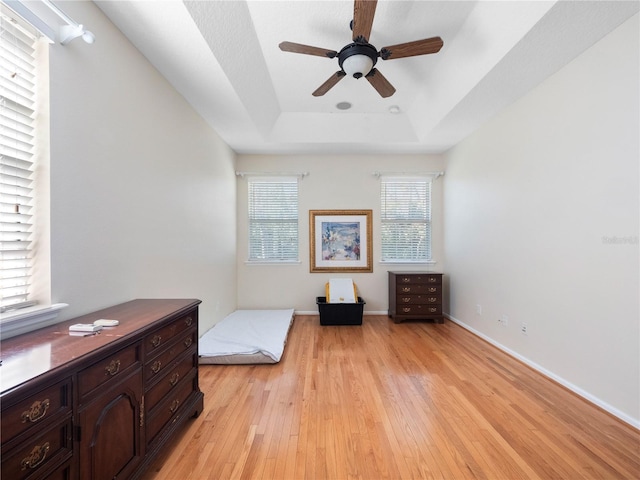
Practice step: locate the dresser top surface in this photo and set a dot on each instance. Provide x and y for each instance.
(32, 354)
(416, 273)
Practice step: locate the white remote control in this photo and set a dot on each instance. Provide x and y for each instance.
(85, 327)
(103, 322)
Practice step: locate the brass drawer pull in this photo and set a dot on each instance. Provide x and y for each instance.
(157, 365)
(188, 321)
(37, 411)
(188, 342)
(112, 368)
(174, 406)
(406, 309)
(405, 279)
(433, 290)
(155, 341)
(432, 299)
(433, 279)
(406, 299)
(174, 379)
(406, 289)
(433, 310)
(36, 457)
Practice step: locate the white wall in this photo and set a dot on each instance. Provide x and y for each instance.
(334, 183)
(140, 185)
(541, 224)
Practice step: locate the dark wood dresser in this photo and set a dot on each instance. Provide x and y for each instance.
(99, 406)
(415, 296)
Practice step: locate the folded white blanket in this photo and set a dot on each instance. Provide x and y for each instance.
(247, 332)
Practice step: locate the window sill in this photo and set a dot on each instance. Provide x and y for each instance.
(407, 262)
(26, 320)
(272, 262)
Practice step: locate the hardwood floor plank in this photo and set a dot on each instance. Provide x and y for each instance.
(414, 400)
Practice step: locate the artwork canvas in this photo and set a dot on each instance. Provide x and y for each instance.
(340, 240)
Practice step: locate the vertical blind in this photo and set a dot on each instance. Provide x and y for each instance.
(406, 219)
(17, 104)
(273, 219)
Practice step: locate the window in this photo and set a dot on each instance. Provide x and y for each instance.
(406, 219)
(17, 143)
(273, 219)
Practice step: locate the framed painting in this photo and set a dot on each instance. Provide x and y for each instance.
(340, 241)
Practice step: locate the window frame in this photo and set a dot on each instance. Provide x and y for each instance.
(38, 311)
(406, 219)
(293, 255)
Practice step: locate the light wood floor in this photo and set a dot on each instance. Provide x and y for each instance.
(412, 400)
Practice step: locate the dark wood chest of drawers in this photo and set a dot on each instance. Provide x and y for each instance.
(100, 406)
(415, 296)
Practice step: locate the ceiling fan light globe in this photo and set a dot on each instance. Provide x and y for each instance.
(357, 66)
(88, 37)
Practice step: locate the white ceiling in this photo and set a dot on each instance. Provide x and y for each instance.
(223, 57)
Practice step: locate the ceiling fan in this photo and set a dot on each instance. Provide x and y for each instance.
(359, 58)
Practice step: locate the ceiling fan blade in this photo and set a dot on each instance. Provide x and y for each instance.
(329, 84)
(363, 13)
(380, 83)
(307, 50)
(411, 49)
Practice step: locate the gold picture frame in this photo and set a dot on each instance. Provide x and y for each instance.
(340, 241)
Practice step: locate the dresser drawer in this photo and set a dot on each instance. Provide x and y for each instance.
(169, 409)
(109, 369)
(157, 366)
(420, 310)
(404, 279)
(155, 342)
(173, 375)
(418, 299)
(39, 453)
(35, 410)
(419, 288)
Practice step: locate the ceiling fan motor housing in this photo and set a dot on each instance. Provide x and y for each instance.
(357, 48)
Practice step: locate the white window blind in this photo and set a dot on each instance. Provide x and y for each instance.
(17, 114)
(273, 219)
(406, 219)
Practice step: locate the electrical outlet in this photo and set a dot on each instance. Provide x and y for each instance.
(524, 328)
(479, 309)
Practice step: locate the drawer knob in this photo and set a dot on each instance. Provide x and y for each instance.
(112, 368)
(36, 457)
(405, 279)
(188, 321)
(174, 379)
(188, 342)
(174, 405)
(155, 341)
(37, 411)
(433, 299)
(406, 299)
(433, 310)
(432, 290)
(432, 279)
(406, 289)
(406, 309)
(157, 365)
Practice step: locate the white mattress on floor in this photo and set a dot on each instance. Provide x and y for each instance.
(247, 337)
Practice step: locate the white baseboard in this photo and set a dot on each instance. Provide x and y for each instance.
(315, 312)
(634, 422)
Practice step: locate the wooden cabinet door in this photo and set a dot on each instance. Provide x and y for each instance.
(110, 435)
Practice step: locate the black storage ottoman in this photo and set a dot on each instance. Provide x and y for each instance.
(340, 313)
